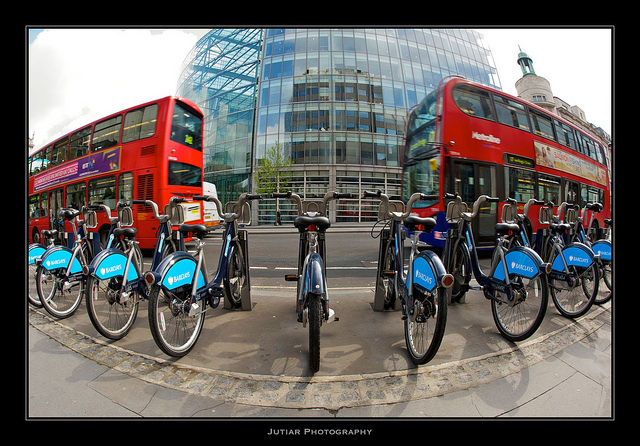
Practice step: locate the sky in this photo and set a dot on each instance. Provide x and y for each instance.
(76, 76)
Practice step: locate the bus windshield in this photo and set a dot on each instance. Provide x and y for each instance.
(422, 176)
(421, 129)
(186, 127)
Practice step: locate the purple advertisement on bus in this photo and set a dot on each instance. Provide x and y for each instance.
(93, 164)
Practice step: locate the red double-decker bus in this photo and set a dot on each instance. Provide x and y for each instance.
(152, 151)
(471, 139)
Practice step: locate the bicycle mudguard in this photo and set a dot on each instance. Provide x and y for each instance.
(428, 270)
(315, 280)
(58, 257)
(35, 250)
(603, 247)
(111, 263)
(521, 261)
(177, 270)
(575, 254)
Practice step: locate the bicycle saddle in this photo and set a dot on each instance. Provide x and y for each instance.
(559, 228)
(49, 232)
(70, 214)
(505, 228)
(303, 222)
(127, 232)
(192, 228)
(412, 221)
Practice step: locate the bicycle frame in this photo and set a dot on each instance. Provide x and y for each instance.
(517, 261)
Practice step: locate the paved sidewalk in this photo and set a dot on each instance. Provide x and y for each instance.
(565, 372)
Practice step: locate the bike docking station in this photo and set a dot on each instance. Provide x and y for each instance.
(242, 240)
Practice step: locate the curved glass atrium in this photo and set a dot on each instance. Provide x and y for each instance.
(335, 100)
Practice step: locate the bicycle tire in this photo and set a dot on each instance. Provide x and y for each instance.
(176, 333)
(578, 300)
(314, 306)
(461, 275)
(32, 292)
(605, 295)
(520, 321)
(389, 283)
(235, 276)
(58, 302)
(435, 305)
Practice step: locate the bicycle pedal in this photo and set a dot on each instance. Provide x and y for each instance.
(291, 278)
(389, 273)
(476, 287)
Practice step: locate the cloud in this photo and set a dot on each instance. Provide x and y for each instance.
(79, 75)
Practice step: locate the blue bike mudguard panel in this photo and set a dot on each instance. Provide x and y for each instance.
(575, 254)
(521, 261)
(59, 257)
(177, 270)
(423, 274)
(316, 274)
(111, 263)
(35, 250)
(602, 247)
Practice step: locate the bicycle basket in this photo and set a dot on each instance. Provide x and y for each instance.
(570, 215)
(245, 213)
(509, 212)
(175, 212)
(455, 210)
(90, 219)
(312, 206)
(126, 216)
(543, 216)
(394, 206)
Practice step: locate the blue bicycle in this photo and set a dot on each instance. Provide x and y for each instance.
(115, 284)
(312, 302)
(517, 281)
(180, 289)
(422, 292)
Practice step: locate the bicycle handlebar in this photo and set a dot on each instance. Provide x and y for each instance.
(327, 197)
(242, 199)
(476, 205)
(162, 218)
(384, 198)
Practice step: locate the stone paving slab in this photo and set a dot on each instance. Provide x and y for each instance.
(326, 392)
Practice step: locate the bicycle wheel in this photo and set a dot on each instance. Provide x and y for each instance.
(61, 299)
(173, 330)
(235, 277)
(460, 274)
(389, 281)
(314, 305)
(33, 286)
(519, 321)
(605, 293)
(424, 329)
(574, 300)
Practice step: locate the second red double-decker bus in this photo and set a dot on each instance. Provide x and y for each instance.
(152, 151)
(471, 139)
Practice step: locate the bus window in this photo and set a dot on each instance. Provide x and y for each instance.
(80, 143)
(140, 123)
(520, 184)
(59, 154)
(182, 174)
(542, 125)
(103, 191)
(473, 102)
(76, 195)
(511, 113)
(549, 188)
(572, 192)
(106, 133)
(34, 206)
(125, 187)
(565, 135)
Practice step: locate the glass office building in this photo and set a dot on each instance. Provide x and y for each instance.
(334, 99)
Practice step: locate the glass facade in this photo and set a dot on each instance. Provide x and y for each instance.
(334, 99)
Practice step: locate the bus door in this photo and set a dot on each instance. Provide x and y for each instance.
(470, 181)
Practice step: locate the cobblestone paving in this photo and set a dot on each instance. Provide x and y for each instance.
(327, 392)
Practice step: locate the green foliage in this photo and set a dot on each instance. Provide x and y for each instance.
(274, 171)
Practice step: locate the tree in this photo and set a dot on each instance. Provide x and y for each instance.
(274, 171)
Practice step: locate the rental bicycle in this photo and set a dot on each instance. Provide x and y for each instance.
(180, 289)
(35, 251)
(422, 292)
(573, 279)
(599, 241)
(60, 281)
(517, 281)
(312, 301)
(115, 277)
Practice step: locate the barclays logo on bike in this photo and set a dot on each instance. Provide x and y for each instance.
(525, 268)
(424, 277)
(179, 278)
(50, 263)
(579, 260)
(110, 269)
